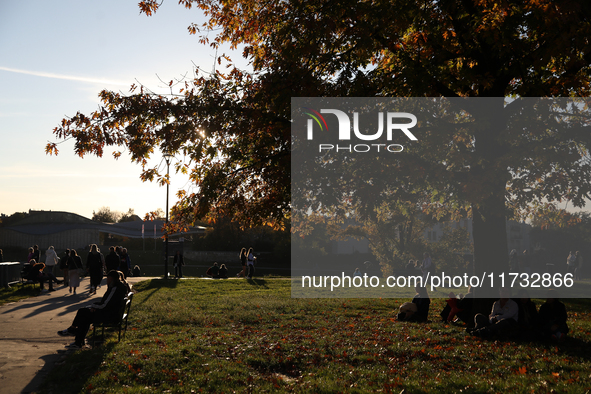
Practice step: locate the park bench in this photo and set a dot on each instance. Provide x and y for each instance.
(120, 325)
(24, 276)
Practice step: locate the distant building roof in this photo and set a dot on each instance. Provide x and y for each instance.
(52, 222)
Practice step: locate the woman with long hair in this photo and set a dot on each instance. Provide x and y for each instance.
(94, 267)
(243, 258)
(74, 264)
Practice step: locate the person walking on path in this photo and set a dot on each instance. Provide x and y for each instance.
(112, 259)
(94, 267)
(243, 258)
(51, 261)
(251, 261)
(106, 310)
(74, 267)
(64, 267)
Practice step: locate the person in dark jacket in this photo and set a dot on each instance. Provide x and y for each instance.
(74, 268)
(108, 309)
(124, 262)
(213, 271)
(36, 253)
(527, 316)
(36, 274)
(64, 267)
(112, 259)
(178, 263)
(94, 267)
(223, 274)
(423, 302)
(552, 317)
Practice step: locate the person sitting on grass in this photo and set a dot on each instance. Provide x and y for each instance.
(528, 317)
(108, 309)
(213, 271)
(502, 319)
(418, 310)
(460, 306)
(552, 318)
(223, 273)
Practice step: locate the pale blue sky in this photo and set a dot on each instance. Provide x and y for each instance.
(56, 56)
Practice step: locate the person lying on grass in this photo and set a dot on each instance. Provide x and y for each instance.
(418, 309)
(106, 310)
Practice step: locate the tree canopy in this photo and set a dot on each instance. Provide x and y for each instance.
(234, 128)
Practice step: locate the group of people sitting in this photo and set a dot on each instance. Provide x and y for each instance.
(517, 317)
(217, 272)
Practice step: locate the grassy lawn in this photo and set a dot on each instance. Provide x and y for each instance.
(18, 292)
(251, 336)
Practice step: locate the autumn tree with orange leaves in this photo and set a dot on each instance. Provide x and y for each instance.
(235, 128)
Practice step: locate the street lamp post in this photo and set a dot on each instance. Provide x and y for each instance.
(167, 157)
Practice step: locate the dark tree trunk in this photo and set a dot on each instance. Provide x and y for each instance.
(489, 178)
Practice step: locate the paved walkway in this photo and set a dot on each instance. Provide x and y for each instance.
(29, 343)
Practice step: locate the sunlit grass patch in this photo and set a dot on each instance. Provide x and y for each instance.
(250, 336)
(17, 292)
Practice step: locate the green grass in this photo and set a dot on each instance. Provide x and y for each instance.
(17, 292)
(251, 336)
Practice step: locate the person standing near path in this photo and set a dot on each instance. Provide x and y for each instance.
(74, 267)
(36, 253)
(426, 266)
(51, 261)
(178, 263)
(570, 263)
(94, 267)
(124, 262)
(251, 261)
(30, 255)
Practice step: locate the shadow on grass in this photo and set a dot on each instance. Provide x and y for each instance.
(576, 347)
(72, 376)
(17, 292)
(258, 282)
(155, 285)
